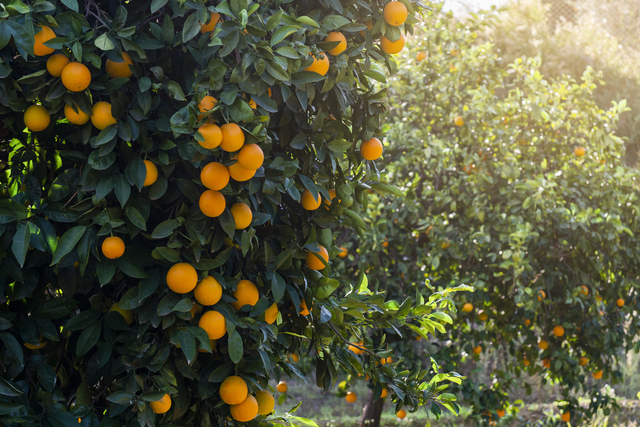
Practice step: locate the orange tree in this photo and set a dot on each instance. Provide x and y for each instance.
(515, 186)
(167, 172)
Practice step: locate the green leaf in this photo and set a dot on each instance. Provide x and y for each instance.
(334, 22)
(175, 91)
(235, 347)
(325, 288)
(282, 33)
(20, 7)
(82, 319)
(67, 242)
(135, 217)
(71, 4)
(187, 344)
(122, 189)
(190, 28)
(15, 349)
(103, 42)
(165, 228)
(106, 135)
(8, 388)
(339, 145)
(20, 243)
(88, 338)
(156, 5)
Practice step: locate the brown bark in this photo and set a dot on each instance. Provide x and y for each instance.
(372, 412)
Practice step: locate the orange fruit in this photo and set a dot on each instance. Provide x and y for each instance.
(384, 393)
(78, 118)
(45, 34)
(458, 121)
(232, 137)
(36, 118)
(211, 25)
(344, 252)
(526, 362)
(161, 406)
(207, 103)
(119, 69)
(392, 47)
(308, 202)
(195, 309)
(566, 417)
(500, 412)
(336, 36)
(597, 375)
(101, 115)
(182, 278)
(35, 346)
(467, 308)
(477, 350)
(240, 174)
(151, 174)
(579, 151)
(214, 324)
(127, 314)
(332, 195)
(546, 363)
(543, 344)
(246, 293)
(356, 348)
(558, 331)
(527, 322)
(266, 402)
(371, 149)
(76, 77)
(395, 13)
(282, 387)
(303, 308)
(313, 262)
(113, 247)
(214, 176)
(212, 344)
(253, 104)
(401, 414)
(542, 295)
(584, 290)
(212, 136)
(251, 157)
(56, 63)
(242, 215)
(320, 66)
(208, 291)
(295, 358)
(212, 203)
(482, 316)
(271, 314)
(246, 410)
(583, 361)
(233, 389)
(620, 302)
(351, 397)
(421, 56)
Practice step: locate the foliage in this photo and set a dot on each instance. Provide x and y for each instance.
(503, 203)
(67, 188)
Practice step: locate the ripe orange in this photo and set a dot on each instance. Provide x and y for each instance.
(583, 361)
(37, 118)
(271, 314)
(78, 118)
(242, 215)
(597, 375)
(113, 247)
(35, 346)
(579, 151)
(558, 331)
(208, 291)
(384, 393)
(240, 174)
(401, 414)
(392, 47)
(246, 293)
(332, 195)
(45, 34)
(542, 295)
(266, 402)
(477, 350)
(182, 278)
(282, 387)
(344, 252)
(351, 397)
(253, 104)
(214, 176)
(308, 202)
(212, 136)
(119, 69)
(467, 308)
(246, 410)
(482, 316)
(527, 322)
(212, 203)
(543, 344)
(566, 417)
(421, 56)
(294, 357)
(101, 115)
(56, 63)
(214, 324)
(371, 149)
(211, 25)
(526, 362)
(151, 174)
(251, 157)
(127, 314)
(395, 13)
(620, 302)
(458, 121)
(584, 290)
(76, 77)
(500, 412)
(336, 36)
(195, 309)
(232, 137)
(356, 348)
(320, 66)
(303, 308)
(207, 103)
(161, 406)
(313, 262)
(546, 363)
(233, 389)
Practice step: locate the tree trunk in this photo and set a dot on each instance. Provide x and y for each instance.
(372, 412)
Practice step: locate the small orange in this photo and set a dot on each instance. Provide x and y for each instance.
(36, 118)
(336, 36)
(467, 308)
(127, 314)
(585, 290)
(151, 173)
(356, 348)
(526, 362)
(240, 174)
(332, 195)
(212, 344)
(371, 149)
(527, 322)
(271, 314)
(421, 56)
(295, 358)
(392, 47)
(113, 247)
(320, 66)
(195, 309)
(242, 215)
(266, 402)
(119, 69)
(558, 331)
(232, 137)
(207, 103)
(45, 34)
(344, 252)
(214, 324)
(161, 406)
(214, 176)
(542, 295)
(212, 203)
(597, 375)
(351, 397)
(76, 76)
(211, 25)
(385, 243)
(620, 302)
(312, 260)
(212, 136)
(35, 346)
(458, 121)
(182, 278)
(543, 345)
(395, 13)
(401, 414)
(246, 293)
(546, 363)
(56, 63)
(251, 157)
(384, 393)
(282, 387)
(583, 361)
(482, 316)
(500, 412)
(233, 390)
(253, 104)
(579, 151)
(101, 116)
(304, 310)
(308, 202)
(78, 118)
(208, 291)
(566, 417)
(477, 350)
